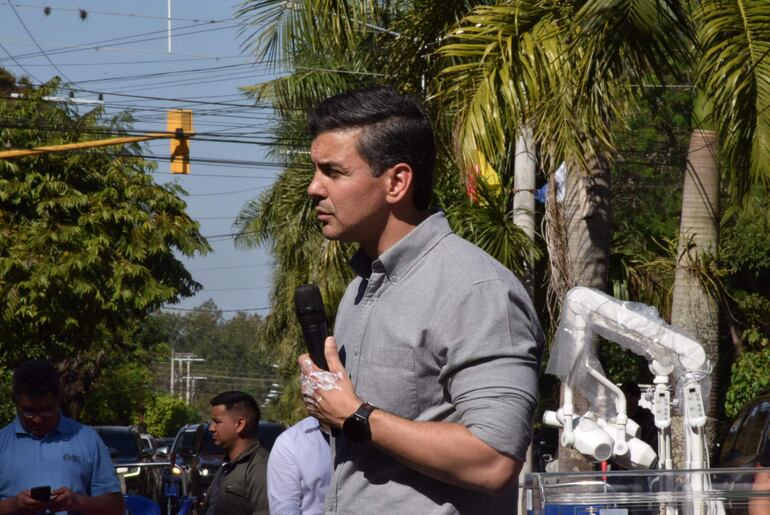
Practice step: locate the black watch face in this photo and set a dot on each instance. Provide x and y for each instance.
(356, 428)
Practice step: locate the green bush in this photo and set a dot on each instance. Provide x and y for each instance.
(166, 414)
(749, 377)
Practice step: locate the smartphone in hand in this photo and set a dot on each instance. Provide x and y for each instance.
(41, 493)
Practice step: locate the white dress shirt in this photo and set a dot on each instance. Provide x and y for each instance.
(299, 470)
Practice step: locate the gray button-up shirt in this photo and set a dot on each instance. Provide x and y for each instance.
(435, 330)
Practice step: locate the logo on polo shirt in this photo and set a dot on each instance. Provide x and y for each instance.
(73, 457)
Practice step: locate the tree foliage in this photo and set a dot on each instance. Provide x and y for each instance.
(119, 395)
(166, 414)
(232, 357)
(88, 241)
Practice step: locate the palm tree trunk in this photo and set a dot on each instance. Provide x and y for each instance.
(587, 213)
(524, 192)
(692, 307)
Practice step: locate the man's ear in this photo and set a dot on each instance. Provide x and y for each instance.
(399, 185)
(240, 425)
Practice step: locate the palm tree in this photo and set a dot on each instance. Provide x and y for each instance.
(731, 114)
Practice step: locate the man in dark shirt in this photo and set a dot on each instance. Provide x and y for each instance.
(240, 485)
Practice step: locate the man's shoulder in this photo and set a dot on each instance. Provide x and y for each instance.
(81, 430)
(297, 431)
(460, 255)
(258, 453)
(7, 432)
(82, 433)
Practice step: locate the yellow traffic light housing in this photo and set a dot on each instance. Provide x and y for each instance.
(179, 122)
(178, 127)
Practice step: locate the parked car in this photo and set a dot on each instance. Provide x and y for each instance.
(196, 458)
(126, 449)
(746, 445)
(747, 439)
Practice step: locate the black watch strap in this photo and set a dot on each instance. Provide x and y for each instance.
(356, 426)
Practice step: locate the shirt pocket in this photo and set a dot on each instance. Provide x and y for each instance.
(237, 489)
(387, 378)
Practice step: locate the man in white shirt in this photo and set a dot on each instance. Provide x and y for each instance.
(299, 470)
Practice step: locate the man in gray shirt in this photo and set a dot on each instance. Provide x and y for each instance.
(440, 342)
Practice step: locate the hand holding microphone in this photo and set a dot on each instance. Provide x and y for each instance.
(326, 388)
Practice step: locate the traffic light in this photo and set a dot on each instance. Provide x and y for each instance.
(179, 122)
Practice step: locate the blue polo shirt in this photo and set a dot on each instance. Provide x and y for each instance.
(72, 455)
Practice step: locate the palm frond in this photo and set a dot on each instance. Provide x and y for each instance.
(734, 38)
(497, 74)
(488, 223)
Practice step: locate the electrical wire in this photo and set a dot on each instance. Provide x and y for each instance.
(221, 193)
(196, 310)
(18, 63)
(235, 289)
(234, 267)
(37, 45)
(130, 15)
(107, 132)
(118, 42)
(164, 74)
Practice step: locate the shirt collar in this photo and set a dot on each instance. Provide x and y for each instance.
(62, 428)
(246, 454)
(401, 257)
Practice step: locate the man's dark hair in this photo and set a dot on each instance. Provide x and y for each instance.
(36, 379)
(395, 129)
(242, 404)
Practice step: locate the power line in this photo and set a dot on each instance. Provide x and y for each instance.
(144, 61)
(131, 15)
(197, 310)
(220, 138)
(235, 267)
(190, 101)
(164, 74)
(250, 288)
(96, 45)
(36, 44)
(18, 63)
(220, 193)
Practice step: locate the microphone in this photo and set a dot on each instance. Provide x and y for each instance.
(309, 307)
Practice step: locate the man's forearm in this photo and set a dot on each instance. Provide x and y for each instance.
(445, 451)
(107, 504)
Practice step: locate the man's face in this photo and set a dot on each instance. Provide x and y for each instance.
(39, 416)
(224, 426)
(351, 202)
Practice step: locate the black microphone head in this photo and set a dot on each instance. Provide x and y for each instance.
(308, 301)
(310, 313)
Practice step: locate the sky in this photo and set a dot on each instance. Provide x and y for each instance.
(121, 50)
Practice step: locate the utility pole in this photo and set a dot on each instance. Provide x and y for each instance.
(194, 379)
(188, 358)
(171, 379)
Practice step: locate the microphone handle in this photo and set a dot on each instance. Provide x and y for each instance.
(315, 338)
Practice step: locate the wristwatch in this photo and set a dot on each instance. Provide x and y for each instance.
(356, 426)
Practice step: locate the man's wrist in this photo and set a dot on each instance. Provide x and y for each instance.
(356, 426)
(76, 502)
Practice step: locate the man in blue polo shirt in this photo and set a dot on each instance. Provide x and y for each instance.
(43, 448)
